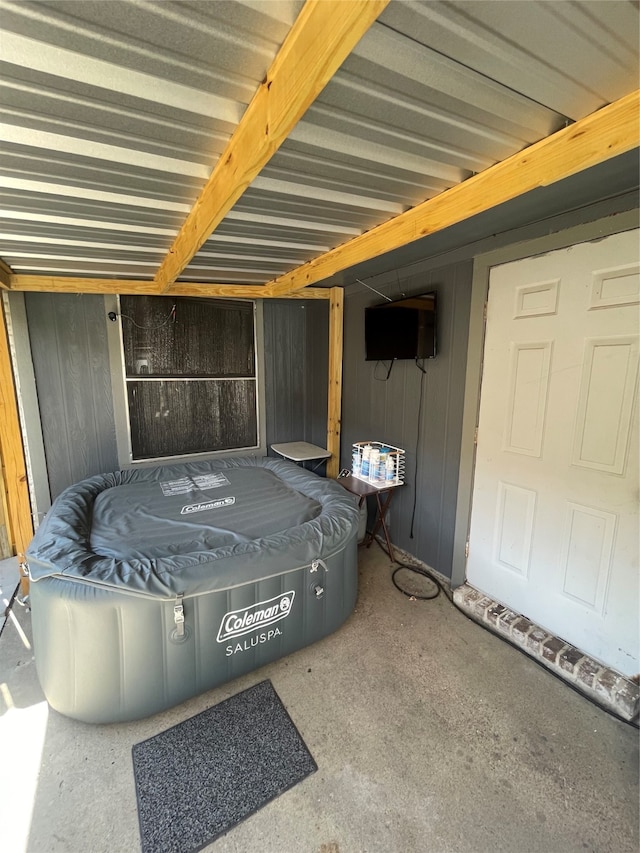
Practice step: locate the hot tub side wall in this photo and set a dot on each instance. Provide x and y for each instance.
(106, 656)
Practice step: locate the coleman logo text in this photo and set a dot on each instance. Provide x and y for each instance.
(189, 508)
(248, 619)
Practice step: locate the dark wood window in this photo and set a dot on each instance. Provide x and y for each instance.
(190, 372)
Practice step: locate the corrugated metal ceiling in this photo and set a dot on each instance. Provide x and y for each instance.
(114, 114)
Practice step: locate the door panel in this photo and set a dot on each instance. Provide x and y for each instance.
(605, 403)
(554, 524)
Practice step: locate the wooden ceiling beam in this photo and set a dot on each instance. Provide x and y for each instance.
(70, 284)
(613, 130)
(322, 37)
(77, 284)
(5, 276)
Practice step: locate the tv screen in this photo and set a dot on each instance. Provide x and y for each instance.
(403, 329)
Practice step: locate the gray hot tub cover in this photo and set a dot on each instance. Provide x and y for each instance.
(157, 531)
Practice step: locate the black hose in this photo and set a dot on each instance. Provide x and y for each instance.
(418, 571)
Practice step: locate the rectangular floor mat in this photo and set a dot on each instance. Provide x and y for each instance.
(198, 779)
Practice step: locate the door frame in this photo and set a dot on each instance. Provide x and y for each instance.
(584, 233)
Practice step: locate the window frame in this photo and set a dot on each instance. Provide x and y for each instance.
(121, 404)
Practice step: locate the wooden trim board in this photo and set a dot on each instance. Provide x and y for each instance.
(334, 401)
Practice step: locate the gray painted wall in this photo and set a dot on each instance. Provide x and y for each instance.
(296, 363)
(71, 365)
(389, 411)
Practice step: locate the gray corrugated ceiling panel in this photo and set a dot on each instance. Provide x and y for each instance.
(113, 117)
(571, 57)
(70, 170)
(221, 49)
(114, 114)
(108, 209)
(289, 256)
(71, 265)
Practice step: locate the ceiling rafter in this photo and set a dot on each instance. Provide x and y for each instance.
(612, 130)
(303, 66)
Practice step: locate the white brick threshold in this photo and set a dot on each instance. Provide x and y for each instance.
(605, 686)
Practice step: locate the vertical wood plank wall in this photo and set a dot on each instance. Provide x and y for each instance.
(373, 409)
(295, 351)
(71, 365)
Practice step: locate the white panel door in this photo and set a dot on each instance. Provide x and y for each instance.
(554, 523)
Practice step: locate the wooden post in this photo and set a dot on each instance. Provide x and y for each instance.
(5, 540)
(334, 415)
(12, 456)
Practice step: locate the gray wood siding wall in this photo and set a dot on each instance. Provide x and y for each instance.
(296, 359)
(71, 365)
(387, 411)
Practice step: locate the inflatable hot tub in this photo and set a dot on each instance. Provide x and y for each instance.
(152, 585)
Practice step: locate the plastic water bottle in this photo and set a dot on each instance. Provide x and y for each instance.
(382, 467)
(374, 465)
(366, 454)
(355, 463)
(390, 469)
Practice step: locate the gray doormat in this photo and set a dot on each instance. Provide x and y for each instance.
(198, 779)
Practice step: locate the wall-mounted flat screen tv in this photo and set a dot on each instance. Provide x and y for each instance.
(403, 329)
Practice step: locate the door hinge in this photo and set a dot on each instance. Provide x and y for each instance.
(466, 549)
(475, 435)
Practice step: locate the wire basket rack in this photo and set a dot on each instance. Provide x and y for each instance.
(377, 463)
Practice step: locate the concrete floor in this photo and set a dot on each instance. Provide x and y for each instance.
(430, 734)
